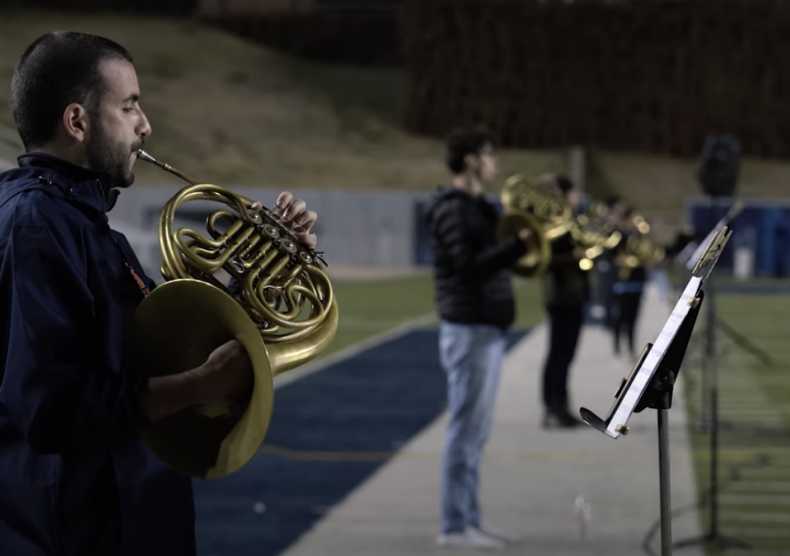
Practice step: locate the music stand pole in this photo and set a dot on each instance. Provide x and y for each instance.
(664, 480)
(713, 394)
(709, 370)
(658, 396)
(652, 380)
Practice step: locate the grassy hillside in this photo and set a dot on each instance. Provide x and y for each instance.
(229, 111)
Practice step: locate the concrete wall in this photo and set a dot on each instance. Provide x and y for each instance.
(378, 229)
(370, 229)
(762, 230)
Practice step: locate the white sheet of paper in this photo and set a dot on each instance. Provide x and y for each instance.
(654, 357)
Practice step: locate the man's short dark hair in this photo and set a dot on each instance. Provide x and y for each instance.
(613, 200)
(564, 183)
(58, 69)
(465, 141)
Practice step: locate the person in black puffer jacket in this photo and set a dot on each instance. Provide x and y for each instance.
(475, 302)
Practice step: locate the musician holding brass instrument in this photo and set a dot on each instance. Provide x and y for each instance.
(475, 302)
(566, 292)
(636, 253)
(564, 247)
(88, 462)
(605, 264)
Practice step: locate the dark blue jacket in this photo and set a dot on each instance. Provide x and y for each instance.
(75, 478)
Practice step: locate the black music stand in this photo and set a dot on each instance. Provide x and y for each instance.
(651, 382)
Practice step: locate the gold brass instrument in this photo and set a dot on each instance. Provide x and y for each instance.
(598, 210)
(284, 314)
(640, 250)
(590, 231)
(529, 204)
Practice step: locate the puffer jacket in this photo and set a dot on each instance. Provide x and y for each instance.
(472, 269)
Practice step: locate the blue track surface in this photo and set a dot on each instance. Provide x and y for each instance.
(374, 401)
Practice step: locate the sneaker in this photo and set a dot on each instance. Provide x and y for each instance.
(494, 534)
(470, 538)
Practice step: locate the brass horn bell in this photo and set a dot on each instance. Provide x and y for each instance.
(284, 316)
(527, 205)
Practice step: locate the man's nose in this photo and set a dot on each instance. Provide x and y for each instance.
(144, 129)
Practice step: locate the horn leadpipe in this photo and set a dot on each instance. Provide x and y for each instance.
(142, 155)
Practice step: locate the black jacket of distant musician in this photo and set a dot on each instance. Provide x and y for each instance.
(565, 283)
(634, 277)
(472, 269)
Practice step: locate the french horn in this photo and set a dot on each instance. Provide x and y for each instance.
(528, 204)
(639, 249)
(591, 232)
(283, 312)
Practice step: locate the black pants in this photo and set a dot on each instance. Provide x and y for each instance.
(565, 324)
(606, 278)
(627, 313)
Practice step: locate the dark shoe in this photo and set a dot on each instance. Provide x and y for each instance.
(560, 419)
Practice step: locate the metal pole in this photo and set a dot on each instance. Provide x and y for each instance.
(713, 387)
(664, 489)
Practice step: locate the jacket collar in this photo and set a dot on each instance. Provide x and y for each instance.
(86, 187)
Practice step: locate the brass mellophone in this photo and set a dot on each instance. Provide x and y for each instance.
(537, 205)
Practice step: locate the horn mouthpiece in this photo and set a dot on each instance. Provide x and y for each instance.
(142, 155)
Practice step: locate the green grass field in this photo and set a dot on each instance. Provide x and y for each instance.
(754, 442)
(230, 111)
(371, 308)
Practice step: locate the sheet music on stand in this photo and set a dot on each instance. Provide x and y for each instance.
(693, 252)
(632, 388)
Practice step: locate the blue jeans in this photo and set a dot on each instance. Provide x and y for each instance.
(472, 356)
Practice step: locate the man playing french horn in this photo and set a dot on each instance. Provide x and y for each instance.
(75, 477)
(627, 288)
(566, 293)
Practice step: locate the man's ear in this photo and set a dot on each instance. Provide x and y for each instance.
(75, 122)
(472, 162)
